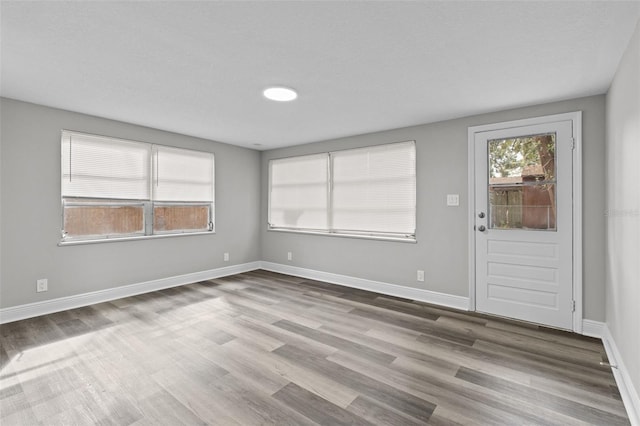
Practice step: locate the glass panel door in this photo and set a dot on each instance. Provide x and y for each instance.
(523, 175)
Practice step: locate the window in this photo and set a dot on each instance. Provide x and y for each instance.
(182, 190)
(522, 182)
(298, 193)
(113, 188)
(363, 192)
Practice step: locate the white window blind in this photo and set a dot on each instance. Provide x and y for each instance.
(298, 192)
(374, 189)
(182, 175)
(99, 167)
(366, 191)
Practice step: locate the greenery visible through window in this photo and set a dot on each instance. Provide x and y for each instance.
(114, 188)
(363, 192)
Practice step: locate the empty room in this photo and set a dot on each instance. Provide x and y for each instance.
(319, 213)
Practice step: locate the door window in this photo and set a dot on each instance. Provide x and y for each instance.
(522, 183)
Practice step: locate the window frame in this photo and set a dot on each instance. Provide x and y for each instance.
(148, 205)
(183, 204)
(95, 202)
(331, 231)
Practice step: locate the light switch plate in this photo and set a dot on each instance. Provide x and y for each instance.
(453, 200)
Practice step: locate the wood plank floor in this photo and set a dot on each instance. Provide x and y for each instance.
(264, 348)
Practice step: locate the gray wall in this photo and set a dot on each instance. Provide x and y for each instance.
(623, 207)
(31, 212)
(441, 250)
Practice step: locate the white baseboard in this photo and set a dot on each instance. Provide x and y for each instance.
(592, 328)
(451, 301)
(629, 393)
(30, 310)
(16, 313)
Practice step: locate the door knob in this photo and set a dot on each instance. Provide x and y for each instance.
(481, 215)
(481, 228)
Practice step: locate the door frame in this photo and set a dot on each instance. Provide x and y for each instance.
(576, 119)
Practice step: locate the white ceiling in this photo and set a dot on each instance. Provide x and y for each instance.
(199, 68)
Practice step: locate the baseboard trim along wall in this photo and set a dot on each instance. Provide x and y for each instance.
(451, 301)
(592, 328)
(31, 310)
(628, 392)
(16, 313)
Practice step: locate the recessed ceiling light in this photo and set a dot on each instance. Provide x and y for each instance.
(280, 94)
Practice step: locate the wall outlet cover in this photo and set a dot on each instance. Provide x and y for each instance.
(42, 285)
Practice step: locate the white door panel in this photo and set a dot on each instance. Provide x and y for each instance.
(523, 238)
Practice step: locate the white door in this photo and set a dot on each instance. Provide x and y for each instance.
(524, 223)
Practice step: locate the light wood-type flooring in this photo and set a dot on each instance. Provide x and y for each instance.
(267, 349)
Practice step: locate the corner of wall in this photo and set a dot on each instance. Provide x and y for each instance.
(622, 217)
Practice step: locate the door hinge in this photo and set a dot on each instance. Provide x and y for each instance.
(573, 306)
(573, 143)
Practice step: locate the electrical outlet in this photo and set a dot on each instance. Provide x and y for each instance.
(289, 255)
(226, 257)
(420, 275)
(42, 285)
(453, 200)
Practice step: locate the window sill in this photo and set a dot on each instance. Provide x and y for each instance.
(136, 238)
(346, 235)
